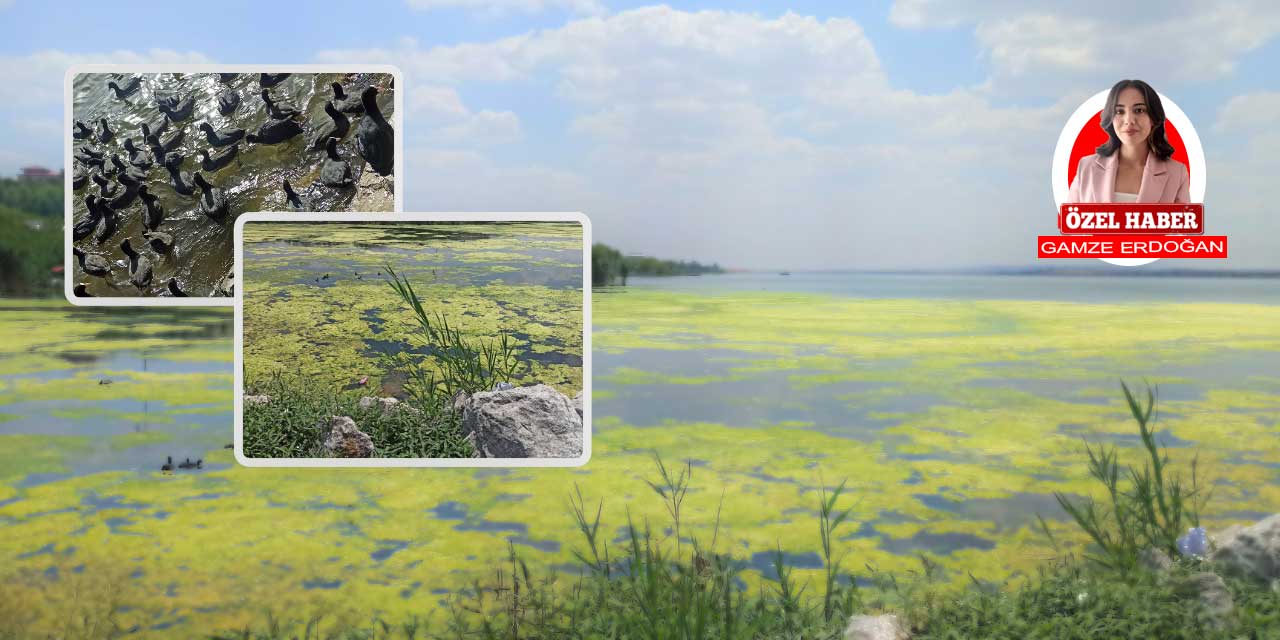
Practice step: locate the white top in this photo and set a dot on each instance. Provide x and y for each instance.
(1126, 197)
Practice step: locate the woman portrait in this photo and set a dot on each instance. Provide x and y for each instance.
(1136, 162)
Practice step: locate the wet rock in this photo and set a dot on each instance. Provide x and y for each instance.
(1211, 592)
(577, 403)
(525, 422)
(1250, 552)
(346, 440)
(1155, 561)
(374, 192)
(264, 399)
(884, 627)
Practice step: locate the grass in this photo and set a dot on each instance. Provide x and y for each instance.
(675, 585)
(294, 423)
(462, 364)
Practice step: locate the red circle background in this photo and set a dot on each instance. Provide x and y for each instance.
(1092, 136)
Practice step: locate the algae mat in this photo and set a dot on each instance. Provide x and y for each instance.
(318, 303)
(953, 422)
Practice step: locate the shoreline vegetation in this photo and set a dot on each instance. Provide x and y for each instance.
(646, 584)
(30, 237)
(609, 266)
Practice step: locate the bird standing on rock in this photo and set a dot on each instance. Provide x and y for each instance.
(375, 139)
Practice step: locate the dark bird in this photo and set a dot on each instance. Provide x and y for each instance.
(335, 172)
(106, 135)
(149, 130)
(85, 151)
(78, 176)
(174, 290)
(129, 88)
(275, 132)
(167, 144)
(188, 464)
(221, 138)
(122, 169)
(179, 110)
(82, 291)
(346, 103)
(87, 157)
(213, 163)
(139, 266)
(226, 78)
(106, 188)
(279, 110)
(160, 241)
(272, 79)
(154, 211)
(137, 157)
(213, 201)
(92, 263)
(228, 101)
(82, 132)
(179, 179)
(84, 228)
(167, 467)
(130, 194)
(291, 197)
(335, 126)
(109, 222)
(375, 139)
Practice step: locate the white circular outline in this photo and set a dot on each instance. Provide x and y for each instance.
(1084, 113)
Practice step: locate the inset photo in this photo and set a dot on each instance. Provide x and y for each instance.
(413, 340)
(160, 164)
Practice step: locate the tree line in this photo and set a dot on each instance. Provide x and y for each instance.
(609, 266)
(30, 237)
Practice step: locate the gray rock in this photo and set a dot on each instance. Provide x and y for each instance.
(525, 422)
(346, 440)
(883, 627)
(1250, 552)
(1155, 561)
(577, 403)
(248, 400)
(389, 405)
(1209, 589)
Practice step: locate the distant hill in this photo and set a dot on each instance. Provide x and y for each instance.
(609, 266)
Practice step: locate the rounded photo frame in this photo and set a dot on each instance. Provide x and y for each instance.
(1081, 118)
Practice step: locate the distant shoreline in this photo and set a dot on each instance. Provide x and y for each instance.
(1050, 271)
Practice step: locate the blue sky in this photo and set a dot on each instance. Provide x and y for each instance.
(805, 135)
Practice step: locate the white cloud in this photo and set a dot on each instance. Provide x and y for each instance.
(40, 74)
(738, 138)
(1250, 112)
(1176, 41)
(495, 8)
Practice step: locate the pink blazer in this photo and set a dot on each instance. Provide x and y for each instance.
(1162, 180)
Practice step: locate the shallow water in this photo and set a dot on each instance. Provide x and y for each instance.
(897, 396)
(202, 254)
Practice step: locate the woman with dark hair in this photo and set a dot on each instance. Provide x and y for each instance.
(1136, 163)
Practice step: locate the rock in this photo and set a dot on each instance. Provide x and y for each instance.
(389, 405)
(346, 440)
(884, 627)
(577, 403)
(1250, 552)
(374, 192)
(227, 285)
(248, 400)
(1155, 561)
(1211, 592)
(460, 401)
(525, 422)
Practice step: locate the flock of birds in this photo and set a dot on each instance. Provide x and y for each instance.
(123, 181)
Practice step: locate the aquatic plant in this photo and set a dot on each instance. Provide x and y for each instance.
(464, 364)
(1151, 512)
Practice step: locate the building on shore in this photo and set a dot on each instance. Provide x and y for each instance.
(39, 173)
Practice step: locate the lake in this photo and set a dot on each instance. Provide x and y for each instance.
(954, 419)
